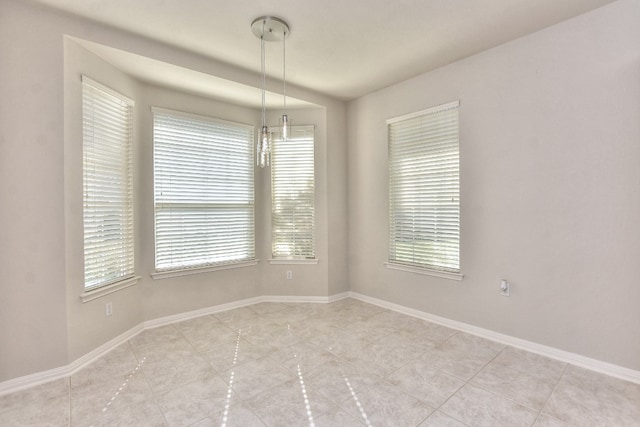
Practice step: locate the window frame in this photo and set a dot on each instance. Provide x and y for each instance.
(110, 131)
(425, 149)
(281, 220)
(165, 271)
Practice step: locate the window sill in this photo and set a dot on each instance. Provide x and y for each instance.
(158, 275)
(426, 271)
(108, 289)
(284, 261)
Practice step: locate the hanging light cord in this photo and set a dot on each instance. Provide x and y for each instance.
(264, 78)
(284, 69)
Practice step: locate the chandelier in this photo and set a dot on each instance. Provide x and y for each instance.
(270, 28)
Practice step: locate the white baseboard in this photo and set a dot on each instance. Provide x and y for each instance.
(38, 378)
(305, 299)
(294, 299)
(338, 297)
(167, 320)
(551, 352)
(242, 303)
(31, 380)
(27, 381)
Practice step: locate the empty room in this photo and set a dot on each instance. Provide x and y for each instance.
(332, 213)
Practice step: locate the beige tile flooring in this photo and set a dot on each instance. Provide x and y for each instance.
(342, 364)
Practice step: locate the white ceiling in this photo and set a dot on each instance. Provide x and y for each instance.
(343, 48)
(186, 80)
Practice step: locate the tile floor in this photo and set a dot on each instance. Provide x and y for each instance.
(342, 364)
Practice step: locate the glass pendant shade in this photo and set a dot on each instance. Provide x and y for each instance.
(264, 147)
(269, 28)
(285, 127)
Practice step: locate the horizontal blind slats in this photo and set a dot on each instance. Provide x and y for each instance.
(204, 191)
(424, 189)
(107, 185)
(293, 195)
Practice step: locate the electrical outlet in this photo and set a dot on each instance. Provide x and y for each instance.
(289, 274)
(108, 309)
(505, 288)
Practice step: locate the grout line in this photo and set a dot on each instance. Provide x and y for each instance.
(510, 399)
(606, 368)
(154, 396)
(372, 373)
(68, 380)
(446, 415)
(465, 382)
(229, 383)
(449, 398)
(485, 365)
(564, 370)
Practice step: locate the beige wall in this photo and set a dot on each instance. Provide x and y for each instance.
(33, 333)
(550, 178)
(43, 323)
(87, 325)
(337, 197)
(550, 187)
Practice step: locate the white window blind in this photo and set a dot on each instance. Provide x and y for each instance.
(204, 191)
(107, 185)
(424, 189)
(293, 195)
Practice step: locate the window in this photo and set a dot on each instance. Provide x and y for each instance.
(107, 185)
(424, 190)
(292, 195)
(203, 189)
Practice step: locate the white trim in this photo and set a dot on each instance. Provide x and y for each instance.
(425, 271)
(38, 378)
(107, 90)
(543, 350)
(305, 299)
(159, 275)
(92, 294)
(31, 380)
(283, 261)
(436, 109)
(338, 297)
(105, 348)
(167, 320)
(168, 112)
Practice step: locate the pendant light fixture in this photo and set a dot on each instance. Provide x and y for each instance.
(269, 28)
(285, 125)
